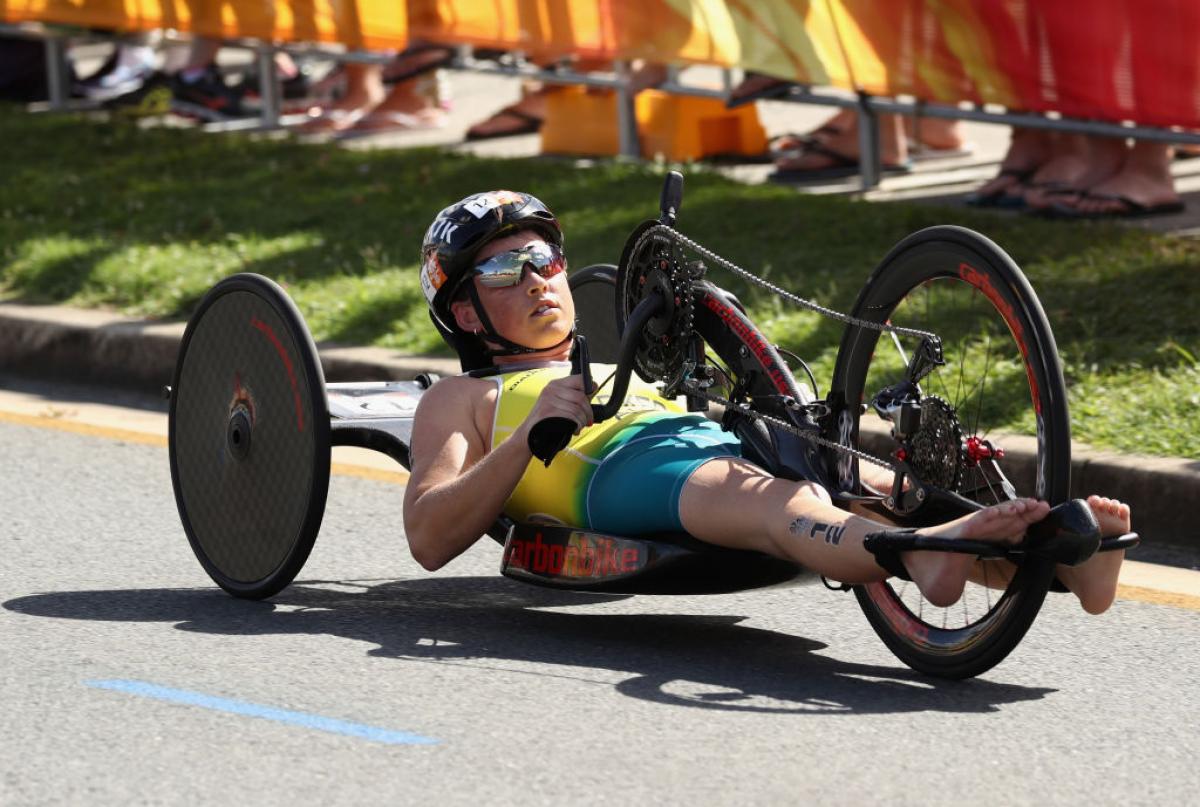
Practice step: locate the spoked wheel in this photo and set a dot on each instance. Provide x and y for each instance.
(249, 436)
(1001, 377)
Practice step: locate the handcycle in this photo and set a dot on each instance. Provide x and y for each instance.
(946, 340)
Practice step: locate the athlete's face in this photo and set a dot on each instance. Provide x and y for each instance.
(537, 311)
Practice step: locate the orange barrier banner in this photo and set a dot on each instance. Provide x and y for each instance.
(1106, 59)
(366, 24)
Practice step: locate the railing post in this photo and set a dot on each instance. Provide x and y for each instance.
(868, 143)
(57, 72)
(627, 132)
(268, 88)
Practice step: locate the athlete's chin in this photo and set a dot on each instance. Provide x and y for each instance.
(551, 327)
(550, 338)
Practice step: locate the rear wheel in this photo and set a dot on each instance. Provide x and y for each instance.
(249, 437)
(1001, 378)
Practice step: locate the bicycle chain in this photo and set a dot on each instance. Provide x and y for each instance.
(691, 387)
(749, 276)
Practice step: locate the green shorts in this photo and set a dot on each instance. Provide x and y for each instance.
(636, 489)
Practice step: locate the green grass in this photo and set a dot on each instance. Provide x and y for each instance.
(100, 213)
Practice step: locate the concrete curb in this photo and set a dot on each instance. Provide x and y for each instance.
(98, 346)
(101, 347)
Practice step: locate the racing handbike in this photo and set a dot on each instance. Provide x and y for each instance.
(947, 395)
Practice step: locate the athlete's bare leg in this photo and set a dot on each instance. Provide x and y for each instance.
(733, 503)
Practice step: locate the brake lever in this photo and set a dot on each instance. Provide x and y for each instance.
(551, 435)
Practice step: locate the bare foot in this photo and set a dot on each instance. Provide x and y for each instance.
(1094, 581)
(337, 117)
(523, 117)
(364, 91)
(1062, 173)
(407, 106)
(835, 145)
(1144, 179)
(1028, 150)
(941, 576)
(935, 133)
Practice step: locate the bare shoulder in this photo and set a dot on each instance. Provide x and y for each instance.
(456, 392)
(455, 404)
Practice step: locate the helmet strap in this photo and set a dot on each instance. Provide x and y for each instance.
(510, 348)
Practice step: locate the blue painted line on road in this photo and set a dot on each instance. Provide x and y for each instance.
(305, 719)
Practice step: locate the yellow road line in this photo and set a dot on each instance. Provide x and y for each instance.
(1156, 597)
(374, 474)
(75, 427)
(146, 438)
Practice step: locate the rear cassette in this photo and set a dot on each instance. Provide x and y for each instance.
(249, 437)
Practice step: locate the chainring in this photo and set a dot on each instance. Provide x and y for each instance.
(657, 265)
(936, 449)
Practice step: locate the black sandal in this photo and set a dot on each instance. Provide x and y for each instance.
(1002, 198)
(400, 74)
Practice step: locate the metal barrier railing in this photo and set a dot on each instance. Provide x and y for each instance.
(515, 65)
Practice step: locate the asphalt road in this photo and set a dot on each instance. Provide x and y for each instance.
(128, 678)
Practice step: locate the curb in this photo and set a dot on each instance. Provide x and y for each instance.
(98, 346)
(101, 347)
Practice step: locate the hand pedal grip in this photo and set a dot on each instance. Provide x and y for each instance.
(551, 435)
(1069, 534)
(671, 198)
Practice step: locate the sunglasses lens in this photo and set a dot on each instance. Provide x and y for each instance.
(507, 268)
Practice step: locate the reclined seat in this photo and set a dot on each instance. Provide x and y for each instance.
(567, 557)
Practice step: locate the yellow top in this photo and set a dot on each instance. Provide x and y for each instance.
(556, 494)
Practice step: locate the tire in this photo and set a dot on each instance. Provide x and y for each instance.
(594, 289)
(1001, 367)
(249, 437)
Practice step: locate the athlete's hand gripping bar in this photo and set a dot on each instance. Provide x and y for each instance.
(551, 435)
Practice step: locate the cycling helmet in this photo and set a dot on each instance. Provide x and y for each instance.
(457, 235)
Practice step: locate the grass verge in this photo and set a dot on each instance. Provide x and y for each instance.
(99, 213)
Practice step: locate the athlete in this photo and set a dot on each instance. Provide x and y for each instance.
(494, 275)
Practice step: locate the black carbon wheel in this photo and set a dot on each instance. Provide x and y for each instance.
(249, 436)
(1001, 375)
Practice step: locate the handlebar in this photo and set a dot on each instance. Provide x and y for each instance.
(551, 435)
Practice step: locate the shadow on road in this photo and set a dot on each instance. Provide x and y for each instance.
(704, 661)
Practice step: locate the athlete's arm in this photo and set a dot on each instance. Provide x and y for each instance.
(458, 487)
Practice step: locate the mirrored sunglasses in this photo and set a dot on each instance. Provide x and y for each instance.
(507, 268)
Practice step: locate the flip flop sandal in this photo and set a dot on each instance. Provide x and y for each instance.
(1054, 209)
(340, 120)
(843, 166)
(399, 75)
(382, 121)
(776, 88)
(1002, 198)
(1132, 209)
(527, 124)
(792, 144)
